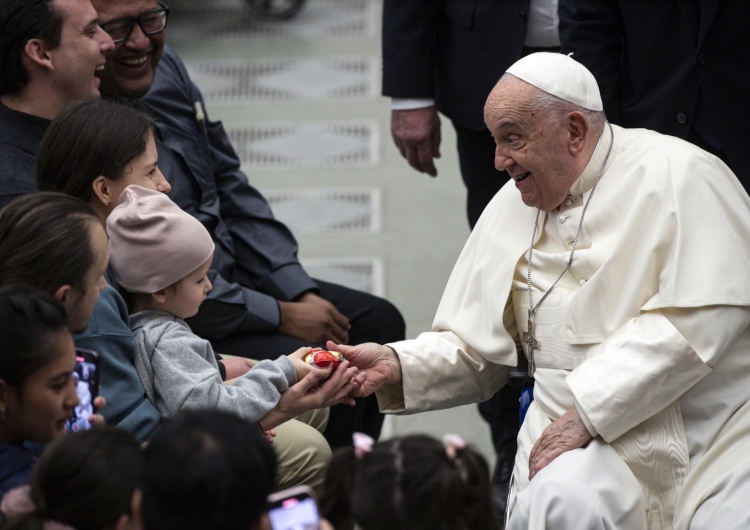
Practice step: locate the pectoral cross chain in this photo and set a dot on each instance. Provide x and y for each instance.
(531, 342)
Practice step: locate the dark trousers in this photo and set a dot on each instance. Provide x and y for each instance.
(372, 319)
(476, 156)
(476, 153)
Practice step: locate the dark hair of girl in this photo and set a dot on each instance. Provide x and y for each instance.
(91, 138)
(409, 483)
(30, 321)
(85, 480)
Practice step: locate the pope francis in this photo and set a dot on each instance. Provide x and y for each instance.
(622, 279)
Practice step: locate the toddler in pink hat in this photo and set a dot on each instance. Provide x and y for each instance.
(160, 256)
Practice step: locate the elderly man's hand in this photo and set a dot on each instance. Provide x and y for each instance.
(416, 133)
(564, 434)
(380, 363)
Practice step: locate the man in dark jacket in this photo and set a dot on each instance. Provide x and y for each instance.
(677, 67)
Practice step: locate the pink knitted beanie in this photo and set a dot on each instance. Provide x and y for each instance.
(152, 242)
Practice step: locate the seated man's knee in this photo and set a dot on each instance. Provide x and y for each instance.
(580, 491)
(303, 455)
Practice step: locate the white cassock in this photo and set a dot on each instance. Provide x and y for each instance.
(646, 334)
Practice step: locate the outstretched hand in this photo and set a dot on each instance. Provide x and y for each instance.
(566, 433)
(300, 366)
(379, 363)
(314, 391)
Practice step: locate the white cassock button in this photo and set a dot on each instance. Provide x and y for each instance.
(568, 202)
(563, 218)
(583, 281)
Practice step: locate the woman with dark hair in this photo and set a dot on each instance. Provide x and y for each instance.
(37, 396)
(54, 242)
(96, 148)
(84, 481)
(93, 150)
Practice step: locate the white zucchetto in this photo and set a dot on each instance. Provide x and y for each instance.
(561, 76)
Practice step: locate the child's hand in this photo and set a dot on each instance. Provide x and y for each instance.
(322, 387)
(269, 435)
(301, 367)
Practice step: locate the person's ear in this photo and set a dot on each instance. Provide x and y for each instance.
(64, 294)
(102, 191)
(160, 297)
(578, 132)
(37, 52)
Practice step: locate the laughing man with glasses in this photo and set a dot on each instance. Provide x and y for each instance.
(151, 22)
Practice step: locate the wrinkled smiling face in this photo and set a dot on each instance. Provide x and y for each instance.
(532, 148)
(131, 65)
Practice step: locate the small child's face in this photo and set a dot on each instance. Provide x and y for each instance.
(186, 296)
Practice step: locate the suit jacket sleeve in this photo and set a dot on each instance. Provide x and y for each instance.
(592, 30)
(408, 48)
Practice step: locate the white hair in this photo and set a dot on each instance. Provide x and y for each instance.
(553, 107)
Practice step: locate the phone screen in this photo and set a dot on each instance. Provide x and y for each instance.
(86, 380)
(295, 513)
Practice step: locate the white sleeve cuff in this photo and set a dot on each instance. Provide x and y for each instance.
(586, 422)
(411, 104)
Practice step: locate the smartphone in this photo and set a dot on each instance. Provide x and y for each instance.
(86, 380)
(293, 509)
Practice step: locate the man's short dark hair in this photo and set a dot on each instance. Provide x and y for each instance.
(21, 21)
(45, 241)
(207, 469)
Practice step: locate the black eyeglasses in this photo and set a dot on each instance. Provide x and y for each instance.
(151, 22)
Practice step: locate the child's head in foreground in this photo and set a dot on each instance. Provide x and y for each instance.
(207, 469)
(409, 483)
(159, 254)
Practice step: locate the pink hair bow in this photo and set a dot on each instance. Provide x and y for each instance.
(362, 444)
(453, 443)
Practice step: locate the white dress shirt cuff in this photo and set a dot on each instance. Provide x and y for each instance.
(411, 104)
